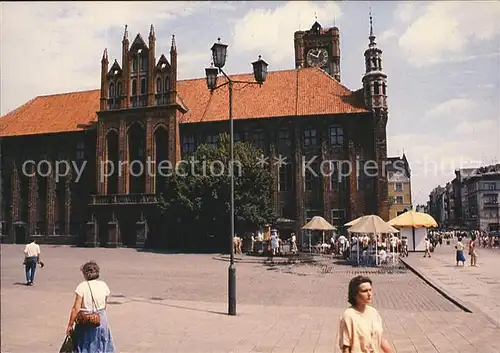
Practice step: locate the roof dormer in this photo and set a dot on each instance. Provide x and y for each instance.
(115, 71)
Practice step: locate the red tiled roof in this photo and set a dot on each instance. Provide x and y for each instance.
(302, 92)
(50, 114)
(307, 91)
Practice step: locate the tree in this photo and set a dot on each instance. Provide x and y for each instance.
(196, 198)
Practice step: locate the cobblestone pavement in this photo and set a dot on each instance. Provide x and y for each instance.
(477, 288)
(177, 303)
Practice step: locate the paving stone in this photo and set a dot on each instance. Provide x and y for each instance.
(178, 303)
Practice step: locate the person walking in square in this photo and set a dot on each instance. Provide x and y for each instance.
(90, 299)
(459, 248)
(31, 259)
(427, 247)
(472, 251)
(361, 327)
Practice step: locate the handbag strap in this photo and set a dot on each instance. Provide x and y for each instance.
(92, 296)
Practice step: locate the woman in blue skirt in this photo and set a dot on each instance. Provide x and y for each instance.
(91, 298)
(460, 252)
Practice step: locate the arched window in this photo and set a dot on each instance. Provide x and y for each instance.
(167, 84)
(374, 62)
(376, 88)
(134, 64)
(384, 87)
(119, 89)
(158, 85)
(134, 87)
(143, 86)
(111, 90)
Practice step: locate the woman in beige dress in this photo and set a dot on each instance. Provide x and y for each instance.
(361, 329)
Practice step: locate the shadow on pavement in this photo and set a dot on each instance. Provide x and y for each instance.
(180, 307)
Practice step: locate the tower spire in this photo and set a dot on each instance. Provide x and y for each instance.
(372, 36)
(173, 46)
(125, 33)
(152, 34)
(105, 55)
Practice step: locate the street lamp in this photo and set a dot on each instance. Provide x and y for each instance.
(219, 53)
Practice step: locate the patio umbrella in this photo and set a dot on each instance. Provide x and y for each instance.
(372, 224)
(354, 221)
(318, 223)
(413, 219)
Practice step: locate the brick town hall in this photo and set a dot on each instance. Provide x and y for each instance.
(142, 111)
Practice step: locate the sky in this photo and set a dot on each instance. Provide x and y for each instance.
(442, 59)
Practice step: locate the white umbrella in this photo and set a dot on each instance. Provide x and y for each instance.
(318, 223)
(372, 224)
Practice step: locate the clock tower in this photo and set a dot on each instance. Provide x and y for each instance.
(318, 47)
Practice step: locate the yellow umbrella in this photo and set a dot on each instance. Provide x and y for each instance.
(354, 221)
(318, 223)
(372, 224)
(413, 219)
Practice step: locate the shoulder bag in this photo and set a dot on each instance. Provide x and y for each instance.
(89, 319)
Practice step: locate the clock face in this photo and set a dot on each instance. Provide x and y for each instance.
(317, 57)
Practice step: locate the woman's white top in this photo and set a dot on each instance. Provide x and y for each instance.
(100, 291)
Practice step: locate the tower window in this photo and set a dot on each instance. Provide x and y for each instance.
(134, 64)
(212, 140)
(167, 84)
(158, 85)
(134, 87)
(188, 144)
(111, 90)
(144, 63)
(336, 134)
(376, 88)
(384, 87)
(80, 150)
(380, 63)
(310, 137)
(119, 89)
(374, 62)
(143, 86)
(284, 139)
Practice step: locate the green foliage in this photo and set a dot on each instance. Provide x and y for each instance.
(197, 196)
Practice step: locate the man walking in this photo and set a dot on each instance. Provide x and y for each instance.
(31, 259)
(427, 247)
(472, 251)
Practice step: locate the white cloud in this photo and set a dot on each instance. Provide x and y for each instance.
(270, 32)
(479, 128)
(485, 86)
(405, 11)
(56, 47)
(459, 134)
(447, 28)
(386, 35)
(452, 108)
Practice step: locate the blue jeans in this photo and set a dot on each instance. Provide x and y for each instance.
(30, 268)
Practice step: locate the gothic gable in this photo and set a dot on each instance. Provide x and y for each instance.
(162, 64)
(115, 70)
(138, 43)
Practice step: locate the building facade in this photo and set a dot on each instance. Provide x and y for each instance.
(71, 163)
(469, 201)
(399, 185)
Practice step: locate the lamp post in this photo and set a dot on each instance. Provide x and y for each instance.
(219, 52)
